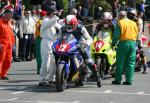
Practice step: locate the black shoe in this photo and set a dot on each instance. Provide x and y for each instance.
(17, 60)
(145, 72)
(116, 83)
(43, 84)
(51, 82)
(127, 83)
(38, 72)
(81, 82)
(23, 59)
(29, 59)
(4, 78)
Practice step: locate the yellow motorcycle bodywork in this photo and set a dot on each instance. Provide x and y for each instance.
(102, 47)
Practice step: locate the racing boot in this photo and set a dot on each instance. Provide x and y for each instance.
(98, 78)
(93, 68)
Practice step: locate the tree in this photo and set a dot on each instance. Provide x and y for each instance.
(132, 3)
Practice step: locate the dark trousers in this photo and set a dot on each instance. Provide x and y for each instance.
(20, 51)
(27, 44)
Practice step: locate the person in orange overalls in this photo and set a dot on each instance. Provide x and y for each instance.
(6, 42)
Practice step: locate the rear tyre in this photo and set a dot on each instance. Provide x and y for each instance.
(61, 78)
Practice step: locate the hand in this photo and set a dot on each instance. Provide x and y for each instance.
(84, 43)
(112, 46)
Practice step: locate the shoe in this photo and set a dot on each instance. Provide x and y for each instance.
(4, 78)
(29, 59)
(23, 59)
(38, 72)
(17, 60)
(145, 72)
(116, 83)
(51, 82)
(81, 81)
(127, 83)
(43, 84)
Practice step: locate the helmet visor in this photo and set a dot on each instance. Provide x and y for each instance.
(69, 27)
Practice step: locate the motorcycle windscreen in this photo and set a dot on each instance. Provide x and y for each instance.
(66, 42)
(102, 35)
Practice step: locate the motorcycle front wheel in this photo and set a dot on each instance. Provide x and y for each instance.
(61, 78)
(102, 66)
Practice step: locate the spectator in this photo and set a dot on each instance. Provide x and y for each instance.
(126, 32)
(123, 6)
(34, 15)
(28, 27)
(140, 23)
(140, 42)
(85, 7)
(38, 40)
(23, 11)
(48, 35)
(77, 13)
(71, 5)
(115, 8)
(141, 8)
(15, 30)
(6, 36)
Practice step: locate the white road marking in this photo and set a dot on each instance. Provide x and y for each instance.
(50, 102)
(12, 99)
(110, 92)
(140, 93)
(16, 100)
(8, 100)
(1, 88)
(19, 92)
(5, 88)
(107, 91)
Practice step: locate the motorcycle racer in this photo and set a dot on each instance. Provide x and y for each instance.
(106, 24)
(80, 33)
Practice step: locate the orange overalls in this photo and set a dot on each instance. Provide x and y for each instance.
(6, 42)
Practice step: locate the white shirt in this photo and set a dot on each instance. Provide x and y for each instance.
(28, 25)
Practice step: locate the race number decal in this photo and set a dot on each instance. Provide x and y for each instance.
(63, 47)
(98, 45)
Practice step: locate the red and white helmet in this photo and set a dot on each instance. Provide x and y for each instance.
(71, 22)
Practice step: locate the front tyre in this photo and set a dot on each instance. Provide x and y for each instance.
(61, 78)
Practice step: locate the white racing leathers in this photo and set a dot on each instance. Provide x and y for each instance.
(48, 34)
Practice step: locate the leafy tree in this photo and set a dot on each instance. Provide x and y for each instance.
(104, 4)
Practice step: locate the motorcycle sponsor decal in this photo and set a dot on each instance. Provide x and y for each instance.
(98, 45)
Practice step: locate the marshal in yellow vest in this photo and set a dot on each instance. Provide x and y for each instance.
(37, 28)
(129, 29)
